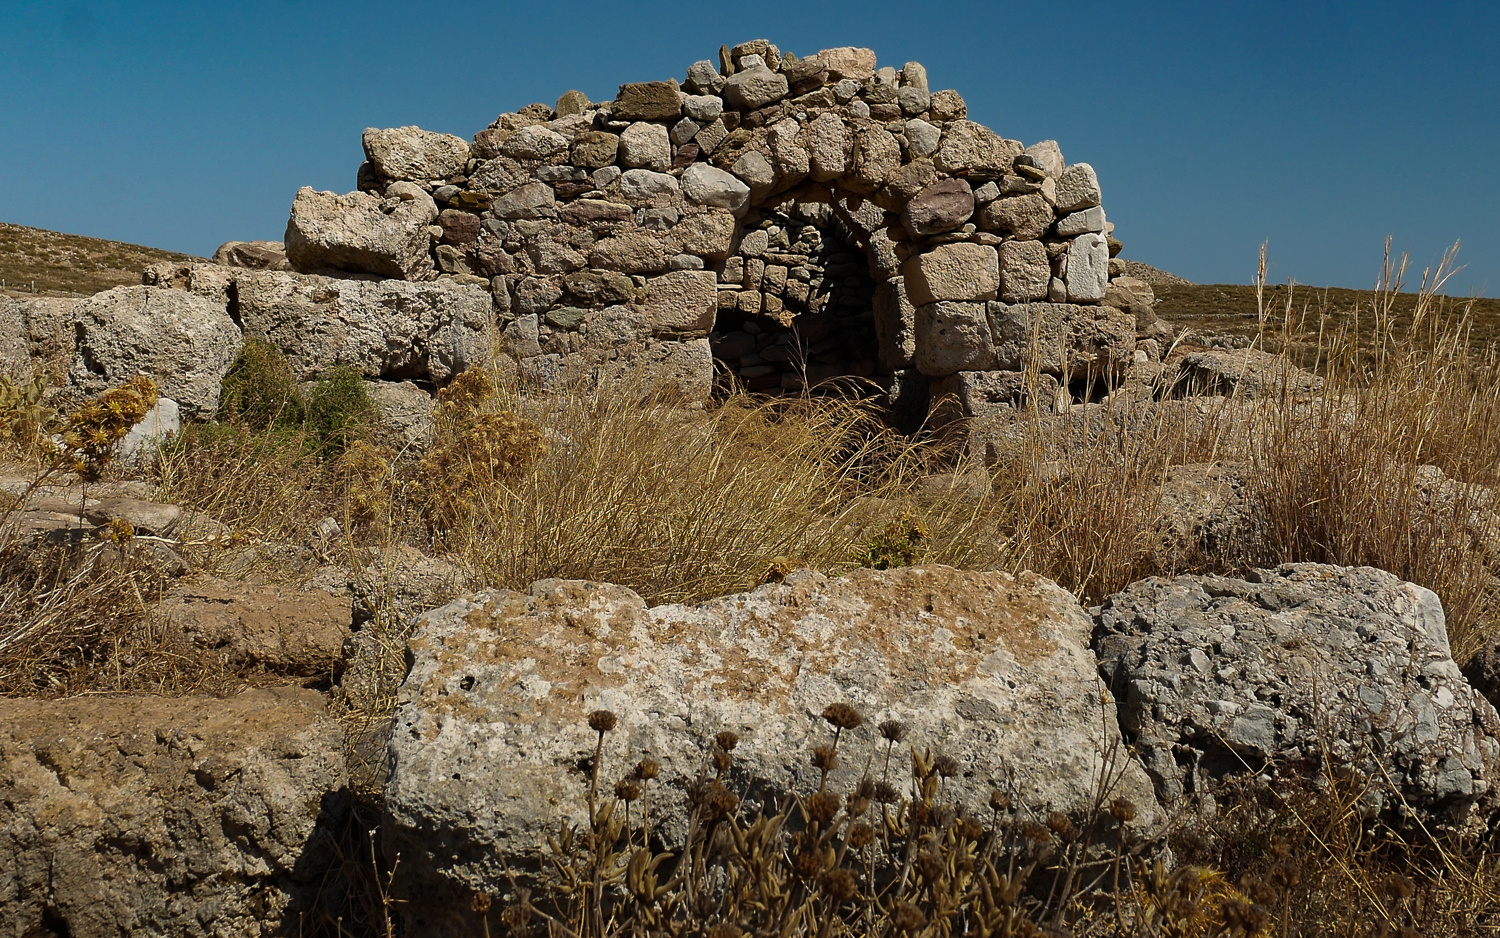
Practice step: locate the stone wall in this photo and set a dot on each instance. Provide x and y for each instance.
(771, 222)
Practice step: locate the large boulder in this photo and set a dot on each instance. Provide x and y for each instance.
(265, 627)
(177, 817)
(253, 255)
(492, 742)
(362, 233)
(1306, 664)
(1063, 339)
(386, 329)
(182, 341)
(415, 154)
(35, 330)
(1247, 372)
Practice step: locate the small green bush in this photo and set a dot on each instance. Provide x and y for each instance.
(260, 390)
(340, 411)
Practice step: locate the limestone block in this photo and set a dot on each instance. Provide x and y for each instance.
(947, 106)
(974, 151)
(533, 200)
(953, 337)
(703, 78)
(386, 329)
(703, 108)
(875, 156)
(1046, 156)
(1081, 222)
(940, 207)
(1063, 339)
(236, 802)
(1026, 217)
(595, 149)
(708, 185)
(709, 235)
(353, 232)
(756, 171)
(849, 62)
(1025, 271)
(413, 153)
(1077, 188)
(536, 145)
(828, 146)
(754, 88)
(648, 101)
(681, 301)
(645, 145)
(793, 162)
(895, 324)
(957, 271)
(631, 252)
(645, 184)
(922, 137)
(182, 341)
(1087, 275)
(502, 174)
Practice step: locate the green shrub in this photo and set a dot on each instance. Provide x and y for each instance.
(260, 390)
(340, 411)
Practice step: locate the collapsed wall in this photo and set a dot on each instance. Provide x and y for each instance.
(773, 220)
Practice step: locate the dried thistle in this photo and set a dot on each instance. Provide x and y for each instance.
(839, 885)
(647, 769)
(886, 793)
(893, 730)
(822, 806)
(727, 740)
(946, 765)
(861, 835)
(907, 918)
(843, 716)
(627, 790)
(825, 759)
(1122, 810)
(602, 721)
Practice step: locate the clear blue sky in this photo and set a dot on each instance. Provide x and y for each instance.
(1321, 127)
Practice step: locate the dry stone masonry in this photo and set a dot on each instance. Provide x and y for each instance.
(770, 222)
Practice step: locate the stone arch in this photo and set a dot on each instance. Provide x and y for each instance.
(614, 235)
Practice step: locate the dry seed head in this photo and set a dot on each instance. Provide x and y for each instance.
(1036, 833)
(886, 793)
(721, 801)
(480, 902)
(1122, 810)
(968, 828)
(808, 863)
(602, 721)
(864, 788)
(725, 930)
(1060, 824)
(627, 790)
(946, 766)
(842, 715)
(822, 806)
(647, 769)
(838, 885)
(893, 730)
(861, 835)
(722, 761)
(931, 866)
(907, 918)
(824, 758)
(999, 800)
(727, 740)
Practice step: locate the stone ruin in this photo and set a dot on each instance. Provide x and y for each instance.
(770, 223)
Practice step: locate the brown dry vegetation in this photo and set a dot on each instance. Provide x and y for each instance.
(33, 260)
(682, 504)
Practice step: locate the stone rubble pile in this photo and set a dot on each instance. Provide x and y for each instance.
(785, 220)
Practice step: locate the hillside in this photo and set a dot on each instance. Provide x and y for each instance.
(40, 261)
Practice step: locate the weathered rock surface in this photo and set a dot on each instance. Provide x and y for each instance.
(386, 329)
(182, 341)
(261, 626)
(253, 255)
(361, 233)
(179, 817)
(491, 732)
(1294, 666)
(1063, 339)
(1249, 373)
(35, 330)
(412, 153)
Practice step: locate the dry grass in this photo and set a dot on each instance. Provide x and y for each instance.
(33, 260)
